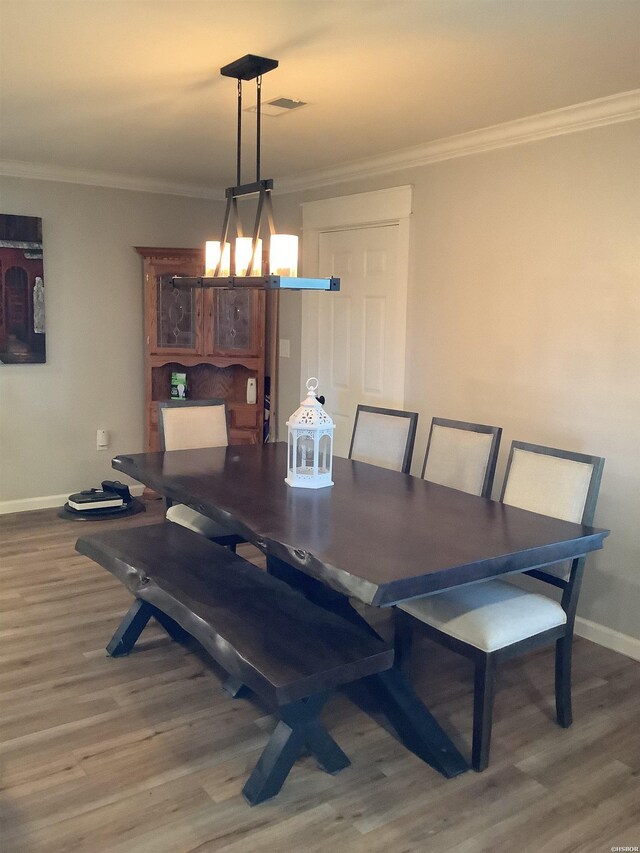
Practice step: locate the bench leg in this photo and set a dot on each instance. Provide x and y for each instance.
(134, 623)
(327, 752)
(175, 631)
(235, 688)
(298, 727)
(130, 629)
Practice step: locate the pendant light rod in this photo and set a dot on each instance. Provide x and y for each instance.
(258, 116)
(239, 142)
(249, 67)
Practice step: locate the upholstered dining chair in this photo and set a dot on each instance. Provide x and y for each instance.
(384, 437)
(462, 455)
(491, 621)
(188, 425)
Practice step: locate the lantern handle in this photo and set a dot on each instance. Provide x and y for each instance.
(311, 388)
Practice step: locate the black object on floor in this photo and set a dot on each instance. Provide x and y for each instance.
(132, 508)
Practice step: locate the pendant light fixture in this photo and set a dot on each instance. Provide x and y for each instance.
(236, 260)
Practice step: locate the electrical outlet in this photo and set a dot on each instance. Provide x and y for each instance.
(102, 439)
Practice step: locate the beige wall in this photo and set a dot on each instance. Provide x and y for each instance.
(524, 311)
(93, 377)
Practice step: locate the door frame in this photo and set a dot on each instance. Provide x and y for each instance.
(390, 206)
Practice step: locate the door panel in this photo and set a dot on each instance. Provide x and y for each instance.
(355, 342)
(341, 342)
(373, 351)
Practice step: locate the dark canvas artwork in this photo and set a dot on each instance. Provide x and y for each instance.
(22, 318)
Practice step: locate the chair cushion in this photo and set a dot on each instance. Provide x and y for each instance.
(458, 458)
(187, 517)
(488, 615)
(192, 426)
(380, 439)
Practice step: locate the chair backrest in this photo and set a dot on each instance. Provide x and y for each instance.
(462, 455)
(189, 424)
(384, 437)
(558, 483)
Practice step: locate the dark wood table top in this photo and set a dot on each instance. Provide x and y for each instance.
(377, 535)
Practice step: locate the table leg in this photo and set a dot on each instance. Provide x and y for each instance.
(317, 592)
(417, 728)
(391, 691)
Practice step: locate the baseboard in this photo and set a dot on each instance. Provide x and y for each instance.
(607, 637)
(47, 501)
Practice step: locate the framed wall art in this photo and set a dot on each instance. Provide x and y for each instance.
(22, 317)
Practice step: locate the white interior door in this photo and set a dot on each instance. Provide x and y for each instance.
(354, 340)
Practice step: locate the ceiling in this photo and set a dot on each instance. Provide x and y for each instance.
(131, 87)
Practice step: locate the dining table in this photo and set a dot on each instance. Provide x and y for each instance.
(376, 536)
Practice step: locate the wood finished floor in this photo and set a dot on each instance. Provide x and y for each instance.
(147, 753)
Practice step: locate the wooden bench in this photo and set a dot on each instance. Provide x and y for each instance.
(264, 634)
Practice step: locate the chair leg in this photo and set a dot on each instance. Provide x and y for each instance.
(229, 541)
(403, 638)
(564, 648)
(484, 691)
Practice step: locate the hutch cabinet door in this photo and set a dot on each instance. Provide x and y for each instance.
(234, 322)
(173, 316)
(217, 337)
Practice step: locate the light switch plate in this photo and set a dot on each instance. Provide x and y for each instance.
(285, 348)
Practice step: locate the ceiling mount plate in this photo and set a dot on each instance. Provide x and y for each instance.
(248, 67)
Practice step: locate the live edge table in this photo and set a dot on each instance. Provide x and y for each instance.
(377, 536)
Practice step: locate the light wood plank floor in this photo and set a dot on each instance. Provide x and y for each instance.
(147, 753)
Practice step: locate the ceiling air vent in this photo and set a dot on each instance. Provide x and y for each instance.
(278, 106)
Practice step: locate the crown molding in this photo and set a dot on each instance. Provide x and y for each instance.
(612, 109)
(111, 180)
(624, 106)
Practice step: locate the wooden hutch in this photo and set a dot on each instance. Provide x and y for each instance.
(215, 336)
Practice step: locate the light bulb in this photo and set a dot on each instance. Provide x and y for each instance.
(283, 255)
(243, 257)
(212, 256)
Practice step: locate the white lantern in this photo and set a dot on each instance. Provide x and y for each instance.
(310, 451)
